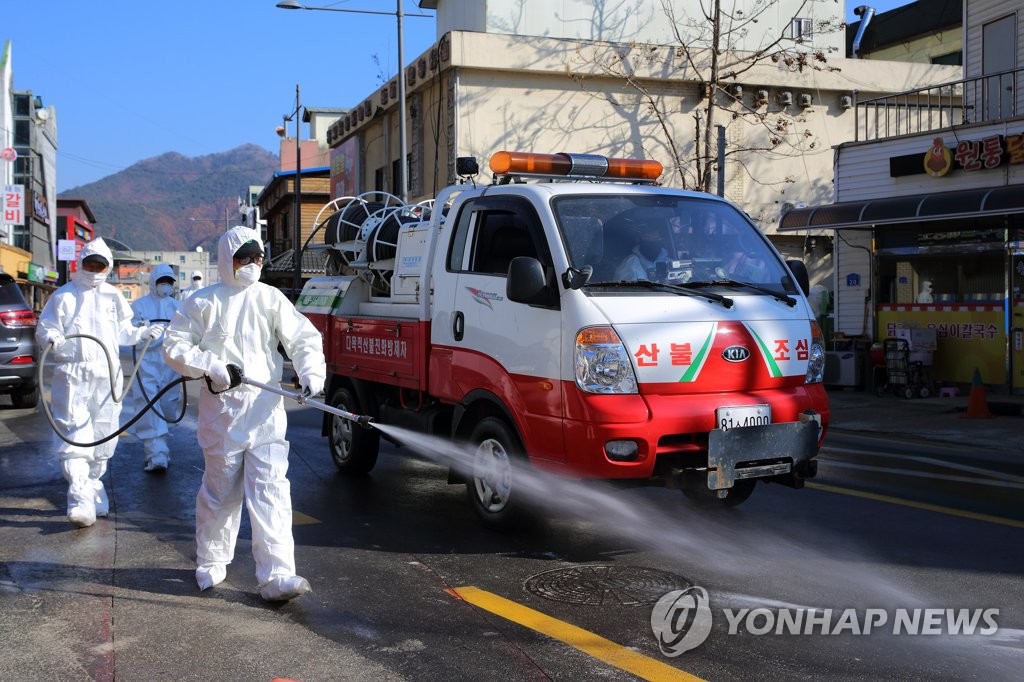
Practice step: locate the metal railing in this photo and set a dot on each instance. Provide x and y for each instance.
(983, 99)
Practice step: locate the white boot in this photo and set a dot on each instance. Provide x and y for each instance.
(210, 575)
(100, 500)
(156, 455)
(283, 588)
(81, 504)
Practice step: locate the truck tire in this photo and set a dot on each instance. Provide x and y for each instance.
(489, 485)
(695, 487)
(354, 448)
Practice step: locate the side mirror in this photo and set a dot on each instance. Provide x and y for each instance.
(526, 282)
(799, 271)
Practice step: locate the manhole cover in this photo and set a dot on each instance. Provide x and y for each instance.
(601, 585)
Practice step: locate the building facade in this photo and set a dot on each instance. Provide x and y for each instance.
(487, 86)
(929, 211)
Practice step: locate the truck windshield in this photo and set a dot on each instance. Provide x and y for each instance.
(668, 239)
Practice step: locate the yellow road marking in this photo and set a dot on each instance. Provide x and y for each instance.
(600, 648)
(988, 518)
(300, 519)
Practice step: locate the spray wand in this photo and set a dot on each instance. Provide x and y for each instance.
(238, 377)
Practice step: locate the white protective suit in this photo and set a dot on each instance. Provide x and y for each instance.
(242, 430)
(154, 375)
(195, 286)
(82, 405)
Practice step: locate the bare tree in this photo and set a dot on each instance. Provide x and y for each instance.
(713, 50)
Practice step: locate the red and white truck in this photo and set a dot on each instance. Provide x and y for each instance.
(575, 318)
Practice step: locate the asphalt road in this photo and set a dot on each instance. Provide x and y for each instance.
(408, 585)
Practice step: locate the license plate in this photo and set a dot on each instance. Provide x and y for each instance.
(743, 416)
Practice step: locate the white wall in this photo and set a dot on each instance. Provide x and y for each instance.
(639, 20)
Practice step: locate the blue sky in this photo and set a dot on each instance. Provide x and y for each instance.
(132, 79)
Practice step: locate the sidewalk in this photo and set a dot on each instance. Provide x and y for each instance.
(940, 420)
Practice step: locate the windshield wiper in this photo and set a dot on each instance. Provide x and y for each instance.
(659, 286)
(777, 295)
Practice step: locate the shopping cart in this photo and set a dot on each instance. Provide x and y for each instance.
(903, 377)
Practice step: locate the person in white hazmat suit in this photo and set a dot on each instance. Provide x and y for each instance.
(156, 307)
(197, 284)
(82, 405)
(241, 321)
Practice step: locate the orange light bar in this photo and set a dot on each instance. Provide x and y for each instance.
(569, 165)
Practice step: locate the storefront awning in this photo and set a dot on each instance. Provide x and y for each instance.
(901, 210)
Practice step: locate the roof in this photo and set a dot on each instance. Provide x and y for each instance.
(902, 210)
(312, 262)
(904, 23)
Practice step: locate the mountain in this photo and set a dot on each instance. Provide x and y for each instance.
(172, 202)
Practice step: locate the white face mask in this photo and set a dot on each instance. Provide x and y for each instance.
(248, 274)
(92, 279)
(164, 290)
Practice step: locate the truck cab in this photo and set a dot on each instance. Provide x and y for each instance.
(591, 326)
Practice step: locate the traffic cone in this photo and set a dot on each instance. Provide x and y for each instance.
(977, 404)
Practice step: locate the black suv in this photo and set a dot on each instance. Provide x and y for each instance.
(17, 345)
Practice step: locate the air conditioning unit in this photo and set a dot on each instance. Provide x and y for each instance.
(762, 96)
(785, 98)
(806, 100)
(846, 102)
(842, 368)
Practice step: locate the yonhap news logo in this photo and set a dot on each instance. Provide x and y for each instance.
(682, 621)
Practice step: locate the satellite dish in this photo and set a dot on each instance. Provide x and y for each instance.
(42, 114)
(199, 249)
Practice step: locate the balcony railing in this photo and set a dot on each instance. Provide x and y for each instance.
(984, 99)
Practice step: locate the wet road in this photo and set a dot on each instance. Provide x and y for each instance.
(408, 585)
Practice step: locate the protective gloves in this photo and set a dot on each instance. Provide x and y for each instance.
(154, 332)
(56, 340)
(218, 373)
(311, 385)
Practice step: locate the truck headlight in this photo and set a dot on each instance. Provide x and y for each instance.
(602, 363)
(816, 357)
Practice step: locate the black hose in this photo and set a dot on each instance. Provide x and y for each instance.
(110, 367)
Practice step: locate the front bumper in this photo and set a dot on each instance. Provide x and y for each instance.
(673, 433)
(766, 451)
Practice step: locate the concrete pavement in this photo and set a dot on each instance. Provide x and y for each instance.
(999, 440)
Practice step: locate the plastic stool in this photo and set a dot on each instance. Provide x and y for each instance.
(947, 392)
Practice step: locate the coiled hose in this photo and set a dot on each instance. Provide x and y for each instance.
(113, 391)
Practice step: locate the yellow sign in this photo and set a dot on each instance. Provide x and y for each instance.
(967, 337)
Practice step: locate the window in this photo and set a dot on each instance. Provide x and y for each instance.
(951, 59)
(21, 133)
(800, 29)
(181, 259)
(378, 179)
(490, 233)
(21, 105)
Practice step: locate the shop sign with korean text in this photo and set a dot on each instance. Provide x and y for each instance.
(939, 159)
(13, 208)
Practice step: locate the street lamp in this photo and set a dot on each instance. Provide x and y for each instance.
(297, 208)
(398, 14)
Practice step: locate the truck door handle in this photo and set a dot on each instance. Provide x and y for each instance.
(458, 325)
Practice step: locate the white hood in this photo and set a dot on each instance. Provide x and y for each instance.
(162, 270)
(229, 242)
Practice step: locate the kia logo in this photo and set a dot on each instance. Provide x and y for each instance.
(735, 354)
